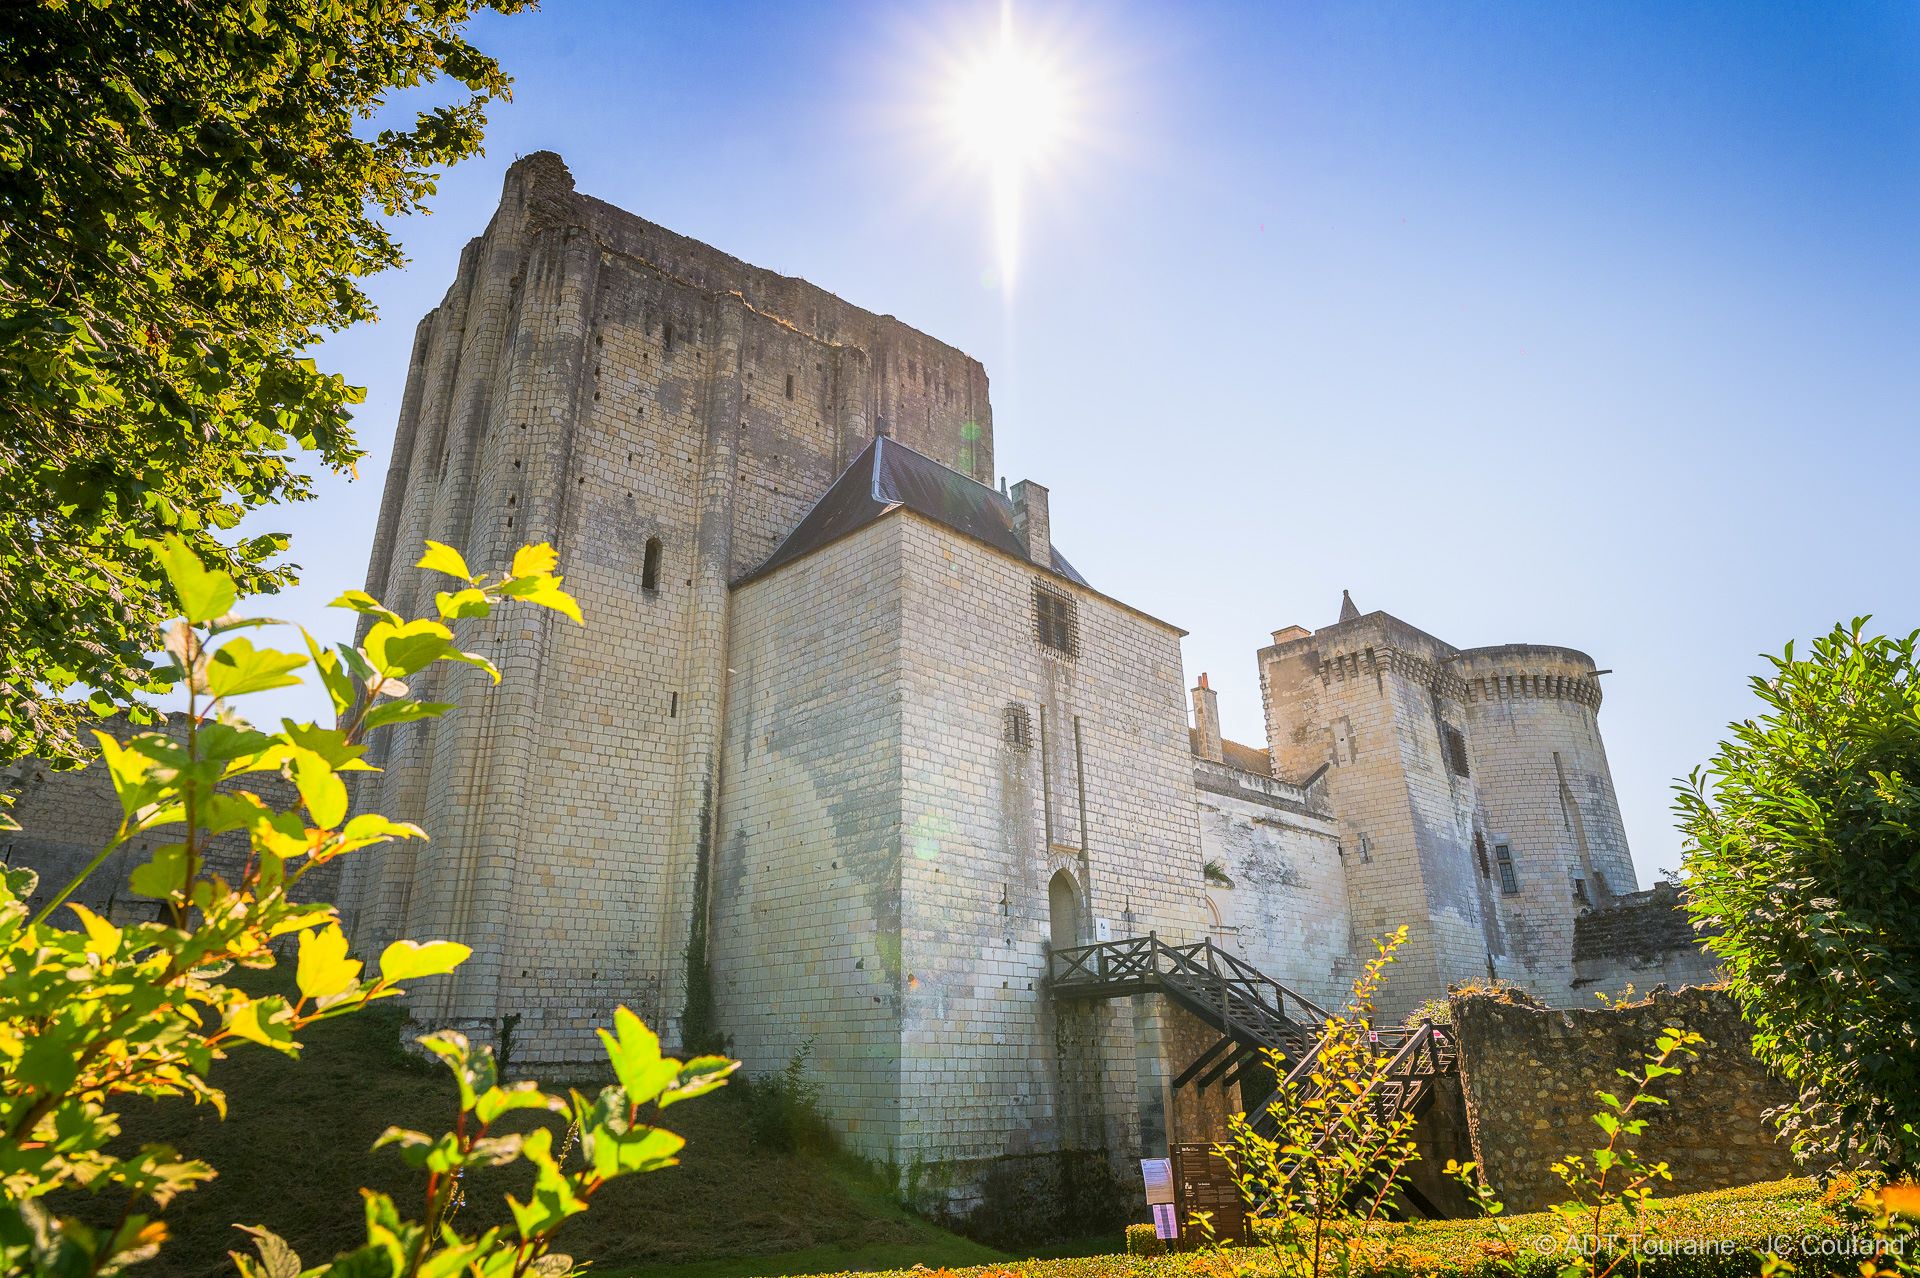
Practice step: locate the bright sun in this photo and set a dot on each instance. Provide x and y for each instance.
(1009, 110)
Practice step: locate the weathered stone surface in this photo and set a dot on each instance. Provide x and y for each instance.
(1436, 759)
(1530, 1075)
(1641, 940)
(858, 794)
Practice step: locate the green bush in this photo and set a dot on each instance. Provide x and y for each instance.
(783, 1111)
(1800, 841)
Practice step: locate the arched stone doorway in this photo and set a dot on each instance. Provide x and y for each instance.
(1064, 911)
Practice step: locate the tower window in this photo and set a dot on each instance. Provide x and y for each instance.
(1503, 857)
(789, 385)
(667, 339)
(650, 567)
(1017, 730)
(1456, 746)
(1480, 855)
(1580, 890)
(1054, 622)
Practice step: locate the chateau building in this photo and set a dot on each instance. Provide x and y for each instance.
(848, 748)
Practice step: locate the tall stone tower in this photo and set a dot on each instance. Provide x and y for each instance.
(664, 414)
(1373, 698)
(1552, 821)
(1473, 796)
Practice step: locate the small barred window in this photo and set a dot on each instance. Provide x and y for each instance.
(1503, 858)
(1054, 622)
(1018, 726)
(1456, 749)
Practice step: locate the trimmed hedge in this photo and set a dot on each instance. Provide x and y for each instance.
(1723, 1234)
(1726, 1232)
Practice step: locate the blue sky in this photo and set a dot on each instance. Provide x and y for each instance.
(1592, 324)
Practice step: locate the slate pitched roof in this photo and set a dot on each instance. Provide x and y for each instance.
(889, 474)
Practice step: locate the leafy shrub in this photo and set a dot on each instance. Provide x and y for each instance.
(1799, 843)
(783, 1111)
(1336, 1156)
(91, 1017)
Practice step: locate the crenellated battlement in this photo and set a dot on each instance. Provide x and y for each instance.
(1584, 690)
(1524, 670)
(1373, 661)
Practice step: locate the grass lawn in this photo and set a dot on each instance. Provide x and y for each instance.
(297, 1147)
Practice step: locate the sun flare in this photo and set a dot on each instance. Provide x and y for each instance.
(1009, 108)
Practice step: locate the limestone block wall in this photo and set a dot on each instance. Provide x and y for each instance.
(1286, 909)
(1548, 796)
(806, 881)
(1641, 940)
(1099, 789)
(635, 398)
(1530, 1073)
(67, 817)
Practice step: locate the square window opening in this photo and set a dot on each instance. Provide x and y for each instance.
(1056, 624)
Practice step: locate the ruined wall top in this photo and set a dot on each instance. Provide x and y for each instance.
(928, 394)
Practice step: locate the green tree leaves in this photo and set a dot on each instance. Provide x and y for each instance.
(409, 960)
(119, 1008)
(1802, 852)
(203, 593)
(188, 200)
(605, 1128)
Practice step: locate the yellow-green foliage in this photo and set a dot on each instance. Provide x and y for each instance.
(94, 1017)
(1335, 1157)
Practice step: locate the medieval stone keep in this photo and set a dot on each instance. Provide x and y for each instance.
(849, 753)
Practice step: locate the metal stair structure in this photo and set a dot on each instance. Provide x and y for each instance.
(1253, 1013)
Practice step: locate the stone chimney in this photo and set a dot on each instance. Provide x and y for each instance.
(1030, 522)
(1206, 721)
(1290, 634)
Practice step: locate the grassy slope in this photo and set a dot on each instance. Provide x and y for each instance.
(296, 1147)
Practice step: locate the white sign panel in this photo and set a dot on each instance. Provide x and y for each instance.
(1158, 1174)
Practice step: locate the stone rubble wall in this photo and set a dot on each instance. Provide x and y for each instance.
(1530, 1075)
(1641, 940)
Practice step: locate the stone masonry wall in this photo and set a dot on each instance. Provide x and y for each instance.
(1284, 908)
(1368, 697)
(806, 882)
(1547, 795)
(1530, 1073)
(1641, 940)
(599, 382)
(1099, 791)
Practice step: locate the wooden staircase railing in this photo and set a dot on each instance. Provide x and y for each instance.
(1253, 1013)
